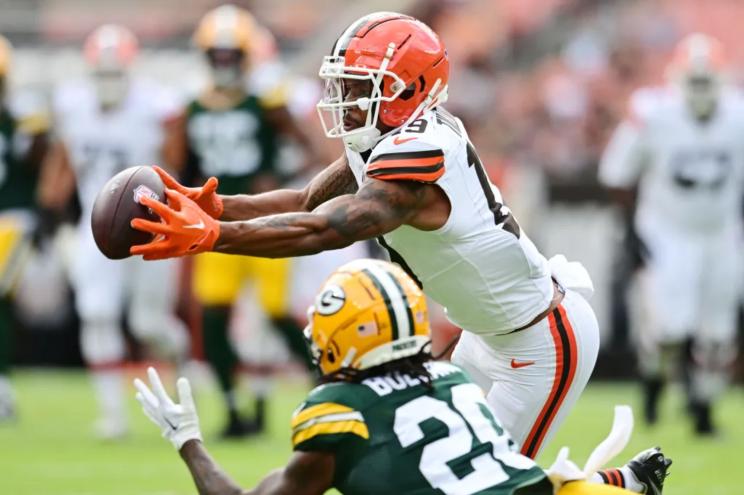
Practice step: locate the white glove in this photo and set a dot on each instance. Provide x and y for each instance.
(178, 422)
(571, 275)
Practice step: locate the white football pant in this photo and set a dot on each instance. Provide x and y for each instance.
(533, 377)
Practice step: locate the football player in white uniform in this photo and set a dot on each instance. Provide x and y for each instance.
(103, 125)
(410, 177)
(681, 146)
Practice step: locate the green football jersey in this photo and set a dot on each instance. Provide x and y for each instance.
(233, 144)
(393, 434)
(17, 179)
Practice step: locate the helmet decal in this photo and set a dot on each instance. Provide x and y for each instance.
(330, 301)
(369, 312)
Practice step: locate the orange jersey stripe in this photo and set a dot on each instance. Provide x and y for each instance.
(405, 162)
(401, 175)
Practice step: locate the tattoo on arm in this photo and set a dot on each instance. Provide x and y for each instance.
(377, 208)
(336, 180)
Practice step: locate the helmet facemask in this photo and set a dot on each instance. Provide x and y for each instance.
(226, 66)
(701, 90)
(111, 85)
(333, 106)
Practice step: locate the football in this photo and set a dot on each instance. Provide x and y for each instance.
(117, 204)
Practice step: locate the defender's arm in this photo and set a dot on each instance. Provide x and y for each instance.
(308, 473)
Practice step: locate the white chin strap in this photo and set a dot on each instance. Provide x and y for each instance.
(363, 141)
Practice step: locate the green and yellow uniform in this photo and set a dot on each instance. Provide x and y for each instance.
(236, 145)
(233, 144)
(394, 434)
(18, 180)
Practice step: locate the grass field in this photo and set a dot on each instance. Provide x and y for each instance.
(50, 450)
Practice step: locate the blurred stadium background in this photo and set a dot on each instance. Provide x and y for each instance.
(540, 85)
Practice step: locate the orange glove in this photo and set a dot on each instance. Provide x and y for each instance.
(184, 228)
(205, 196)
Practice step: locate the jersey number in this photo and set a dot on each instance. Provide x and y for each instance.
(481, 466)
(501, 214)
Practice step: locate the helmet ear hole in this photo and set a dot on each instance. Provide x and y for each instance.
(331, 355)
(409, 92)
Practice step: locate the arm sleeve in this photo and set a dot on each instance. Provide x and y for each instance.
(622, 160)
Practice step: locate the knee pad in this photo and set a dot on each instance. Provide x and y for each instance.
(161, 329)
(101, 343)
(711, 367)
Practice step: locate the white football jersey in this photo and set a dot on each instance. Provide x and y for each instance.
(101, 144)
(690, 175)
(486, 273)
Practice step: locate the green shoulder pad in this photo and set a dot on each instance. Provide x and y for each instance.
(330, 416)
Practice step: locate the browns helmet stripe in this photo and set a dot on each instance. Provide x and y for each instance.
(368, 22)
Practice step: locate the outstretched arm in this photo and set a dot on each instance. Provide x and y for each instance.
(335, 180)
(378, 207)
(308, 473)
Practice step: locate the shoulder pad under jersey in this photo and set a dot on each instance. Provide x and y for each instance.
(408, 155)
(328, 418)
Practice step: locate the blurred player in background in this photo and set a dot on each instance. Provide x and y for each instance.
(103, 125)
(23, 141)
(681, 147)
(410, 177)
(387, 418)
(232, 131)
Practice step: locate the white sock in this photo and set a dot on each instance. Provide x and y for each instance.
(109, 387)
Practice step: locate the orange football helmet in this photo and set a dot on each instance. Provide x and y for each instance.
(111, 47)
(698, 68)
(404, 60)
(110, 51)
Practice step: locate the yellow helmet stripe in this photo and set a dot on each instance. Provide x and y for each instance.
(395, 300)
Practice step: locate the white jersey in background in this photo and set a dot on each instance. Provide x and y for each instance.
(491, 279)
(101, 144)
(690, 178)
(690, 174)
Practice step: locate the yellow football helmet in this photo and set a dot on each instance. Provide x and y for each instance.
(367, 313)
(226, 27)
(6, 51)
